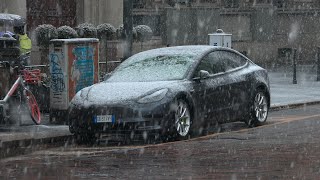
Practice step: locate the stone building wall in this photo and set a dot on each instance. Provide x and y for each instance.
(14, 7)
(261, 32)
(93, 11)
(100, 11)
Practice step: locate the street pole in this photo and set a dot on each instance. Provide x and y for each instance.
(294, 52)
(318, 64)
(127, 27)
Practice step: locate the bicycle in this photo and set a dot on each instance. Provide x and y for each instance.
(38, 82)
(18, 100)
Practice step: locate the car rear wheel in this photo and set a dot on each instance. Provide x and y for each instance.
(182, 120)
(259, 109)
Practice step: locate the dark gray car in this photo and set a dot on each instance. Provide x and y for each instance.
(173, 92)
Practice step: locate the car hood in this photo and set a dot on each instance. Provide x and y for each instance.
(118, 92)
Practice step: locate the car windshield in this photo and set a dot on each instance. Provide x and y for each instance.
(155, 68)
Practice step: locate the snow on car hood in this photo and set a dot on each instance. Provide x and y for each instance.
(117, 92)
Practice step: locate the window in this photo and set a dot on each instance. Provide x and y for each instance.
(231, 3)
(280, 3)
(205, 65)
(220, 61)
(138, 4)
(210, 63)
(263, 1)
(231, 60)
(144, 68)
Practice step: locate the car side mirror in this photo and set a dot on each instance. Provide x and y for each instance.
(204, 74)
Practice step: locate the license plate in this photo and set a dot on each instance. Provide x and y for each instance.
(104, 118)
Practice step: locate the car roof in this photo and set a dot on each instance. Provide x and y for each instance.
(194, 50)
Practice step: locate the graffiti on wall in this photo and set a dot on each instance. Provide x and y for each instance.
(58, 86)
(57, 76)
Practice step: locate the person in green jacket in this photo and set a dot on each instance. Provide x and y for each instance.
(25, 43)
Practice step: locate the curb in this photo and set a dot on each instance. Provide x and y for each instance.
(294, 105)
(26, 146)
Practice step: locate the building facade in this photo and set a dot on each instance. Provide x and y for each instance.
(265, 30)
(65, 12)
(100, 11)
(14, 7)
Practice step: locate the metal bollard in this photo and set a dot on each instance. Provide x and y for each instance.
(294, 81)
(318, 64)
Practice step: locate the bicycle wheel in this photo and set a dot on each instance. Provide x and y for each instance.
(33, 107)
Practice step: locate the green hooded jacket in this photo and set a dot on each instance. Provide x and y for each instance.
(25, 43)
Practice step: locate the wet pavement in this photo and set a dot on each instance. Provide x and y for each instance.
(286, 148)
(28, 130)
(28, 137)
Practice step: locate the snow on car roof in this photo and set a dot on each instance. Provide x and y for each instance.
(194, 50)
(190, 50)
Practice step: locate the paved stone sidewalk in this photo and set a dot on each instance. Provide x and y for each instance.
(284, 92)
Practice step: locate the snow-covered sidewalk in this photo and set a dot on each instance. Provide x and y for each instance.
(284, 92)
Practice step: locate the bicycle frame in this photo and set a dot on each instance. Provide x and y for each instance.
(29, 98)
(4, 102)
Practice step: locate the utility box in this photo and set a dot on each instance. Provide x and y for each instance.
(74, 64)
(220, 39)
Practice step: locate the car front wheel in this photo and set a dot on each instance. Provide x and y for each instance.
(182, 120)
(259, 109)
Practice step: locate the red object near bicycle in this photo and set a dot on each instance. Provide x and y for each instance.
(33, 107)
(32, 76)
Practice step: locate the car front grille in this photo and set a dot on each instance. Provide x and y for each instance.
(126, 119)
(119, 112)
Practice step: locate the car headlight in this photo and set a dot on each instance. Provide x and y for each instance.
(154, 97)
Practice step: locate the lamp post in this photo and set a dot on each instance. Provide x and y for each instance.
(294, 56)
(318, 63)
(127, 27)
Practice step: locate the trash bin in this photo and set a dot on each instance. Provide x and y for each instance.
(74, 64)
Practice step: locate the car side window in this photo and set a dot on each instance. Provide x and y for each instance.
(232, 60)
(207, 64)
(218, 65)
